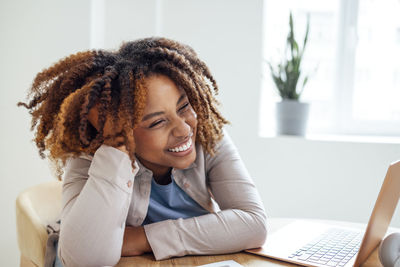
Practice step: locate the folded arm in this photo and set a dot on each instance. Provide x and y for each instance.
(240, 224)
(96, 199)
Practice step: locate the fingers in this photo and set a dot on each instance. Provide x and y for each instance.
(93, 118)
(111, 137)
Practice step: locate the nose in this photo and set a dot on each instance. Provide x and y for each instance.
(181, 128)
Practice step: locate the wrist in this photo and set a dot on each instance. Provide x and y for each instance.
(146, 243)
(135, 241)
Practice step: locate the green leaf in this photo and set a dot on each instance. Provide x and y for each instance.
(287, 73)
(306, 35)
(305, 81)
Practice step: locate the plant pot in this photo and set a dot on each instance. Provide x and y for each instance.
(291, 117)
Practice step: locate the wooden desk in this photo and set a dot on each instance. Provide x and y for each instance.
(244, 258)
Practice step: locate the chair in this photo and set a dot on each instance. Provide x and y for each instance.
(36, 207)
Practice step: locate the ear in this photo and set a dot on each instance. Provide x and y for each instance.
(389, 251)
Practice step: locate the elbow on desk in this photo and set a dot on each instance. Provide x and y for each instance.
(260, 234)
(257, 231)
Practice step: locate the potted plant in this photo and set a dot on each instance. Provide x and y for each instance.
(291, 114)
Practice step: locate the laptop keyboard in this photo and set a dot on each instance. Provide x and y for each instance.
(335, 247)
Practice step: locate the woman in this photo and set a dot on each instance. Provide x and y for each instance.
(148, 166)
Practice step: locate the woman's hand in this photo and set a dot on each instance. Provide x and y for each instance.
(135, 241)
(93, 117)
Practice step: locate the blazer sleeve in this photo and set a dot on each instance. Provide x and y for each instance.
(241, 223)
(95, 198)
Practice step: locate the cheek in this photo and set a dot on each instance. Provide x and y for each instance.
(147, 142)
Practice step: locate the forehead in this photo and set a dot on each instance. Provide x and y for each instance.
(161, 89)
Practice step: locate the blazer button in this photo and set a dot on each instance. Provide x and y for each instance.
(186, 185)
(129, 184)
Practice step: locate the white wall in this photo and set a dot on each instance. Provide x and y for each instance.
(34, 34)
(321, 179)
(296, 177)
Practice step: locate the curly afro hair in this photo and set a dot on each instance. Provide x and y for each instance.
(61, 96)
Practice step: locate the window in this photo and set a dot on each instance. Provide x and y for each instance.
(352, 58)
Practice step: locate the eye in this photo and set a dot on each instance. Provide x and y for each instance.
(156, 123)
(184, 107)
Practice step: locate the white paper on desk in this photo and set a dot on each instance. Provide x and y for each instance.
(230, 263)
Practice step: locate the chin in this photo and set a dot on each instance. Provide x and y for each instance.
(183, 164)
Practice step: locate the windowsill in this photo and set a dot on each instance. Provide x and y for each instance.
(339, 138)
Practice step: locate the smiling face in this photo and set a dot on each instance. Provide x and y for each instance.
(166, 136)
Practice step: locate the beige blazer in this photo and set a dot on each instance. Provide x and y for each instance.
(102, 194)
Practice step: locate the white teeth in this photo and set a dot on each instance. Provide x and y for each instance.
(183, 147)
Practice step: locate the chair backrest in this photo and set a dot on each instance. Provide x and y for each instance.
(36, 207)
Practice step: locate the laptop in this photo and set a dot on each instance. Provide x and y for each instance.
(309, 243)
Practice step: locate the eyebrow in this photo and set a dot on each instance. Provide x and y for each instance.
(154, 114)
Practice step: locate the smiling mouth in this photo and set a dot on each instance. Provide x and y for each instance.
(183, 147)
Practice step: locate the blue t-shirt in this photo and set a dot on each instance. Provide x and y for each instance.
(170, 202)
